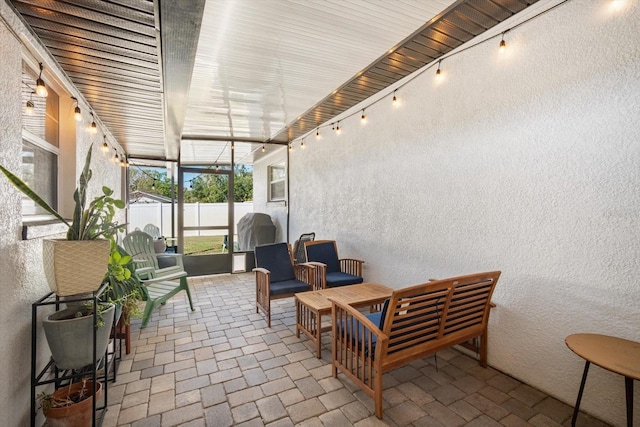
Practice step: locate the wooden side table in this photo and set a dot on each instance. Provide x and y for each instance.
(613, 354)
(312, 305)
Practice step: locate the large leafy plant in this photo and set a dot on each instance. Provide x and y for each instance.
(89, 222)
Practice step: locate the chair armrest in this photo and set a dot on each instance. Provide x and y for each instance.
(164, 278)
(261, 270)
(304, 273)
(319, 275)
(351, 266)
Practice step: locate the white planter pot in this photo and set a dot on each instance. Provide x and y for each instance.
(75, 266)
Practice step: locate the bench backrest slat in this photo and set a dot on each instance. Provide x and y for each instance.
(421, 318)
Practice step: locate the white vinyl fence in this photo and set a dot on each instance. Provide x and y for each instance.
(195, 215)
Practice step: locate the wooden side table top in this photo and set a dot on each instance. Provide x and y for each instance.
(351, 294)
(613, 354)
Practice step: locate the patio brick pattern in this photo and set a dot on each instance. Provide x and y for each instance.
(222, 366)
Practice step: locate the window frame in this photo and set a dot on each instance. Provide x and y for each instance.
(271, 182)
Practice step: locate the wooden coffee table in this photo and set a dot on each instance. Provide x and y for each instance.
(312, 305)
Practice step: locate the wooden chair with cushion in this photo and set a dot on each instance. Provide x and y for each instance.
(330, 270)
(277, 276)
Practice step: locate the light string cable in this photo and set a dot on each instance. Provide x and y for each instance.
(436, 62)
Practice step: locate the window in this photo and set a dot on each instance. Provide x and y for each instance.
(277, 182)
(40, 139)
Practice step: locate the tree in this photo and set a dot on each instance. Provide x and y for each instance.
(204, 188)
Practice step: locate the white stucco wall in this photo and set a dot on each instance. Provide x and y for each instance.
(22, 280)
(527, 162)
(277, 210)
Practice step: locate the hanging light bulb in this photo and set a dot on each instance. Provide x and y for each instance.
(395, 99)
(503, 44)
(153, 184)
(122, 162)
(290, 147)
(190, 184)
(338, 127)
(126, 161)
(93, 129)
(317, 133)
(41, 89)
(438, 71)
(263, 148)
(363, 118)
(116, 159)
(30, 105)
(77, 113)
(217, 168)
(105, 146)
(302, 146)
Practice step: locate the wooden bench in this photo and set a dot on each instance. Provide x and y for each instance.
(415, 322)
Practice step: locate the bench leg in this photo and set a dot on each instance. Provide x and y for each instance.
(377, 393)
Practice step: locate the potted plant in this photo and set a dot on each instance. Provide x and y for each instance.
(70, 406)
(78, 263)
(69, 333)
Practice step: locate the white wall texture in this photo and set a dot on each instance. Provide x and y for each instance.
(527, 162)
(277, 210)
(22, 280)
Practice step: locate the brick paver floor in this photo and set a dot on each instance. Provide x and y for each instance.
(222, 366)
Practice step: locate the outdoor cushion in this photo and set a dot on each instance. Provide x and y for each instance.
(326, 254)
(338, 278)
(288, 287)
(276, 259)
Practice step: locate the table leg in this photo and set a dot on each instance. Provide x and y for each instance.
(628, 386)
(584, 380)
(319, 334)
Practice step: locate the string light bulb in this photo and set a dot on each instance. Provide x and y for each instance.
(363, 117)
(93, 129)
(30, 105)
(290, 147)
(41, 89)
(263, 148)
(318, 133)
(116, 159)
(105, 146)
(438, 71)
(302, 146)
(153, 184)
(503, 44)
(122, 162)
(338, 127)
(217, 168)
(77, 113)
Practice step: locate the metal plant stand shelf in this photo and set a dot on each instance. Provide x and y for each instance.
(104, 367)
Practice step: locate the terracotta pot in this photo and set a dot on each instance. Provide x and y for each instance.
(76, 415)
(75, 266)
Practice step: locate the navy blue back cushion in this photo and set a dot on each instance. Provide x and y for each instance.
(325, 253)
(275, 258)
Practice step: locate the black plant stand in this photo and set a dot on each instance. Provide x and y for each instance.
(51, 374)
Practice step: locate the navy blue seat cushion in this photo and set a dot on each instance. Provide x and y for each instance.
(288, 287)
(325, 253)
(338, 278)
(275, 258)
(356, 329)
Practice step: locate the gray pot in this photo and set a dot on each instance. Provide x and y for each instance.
(71, 340)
